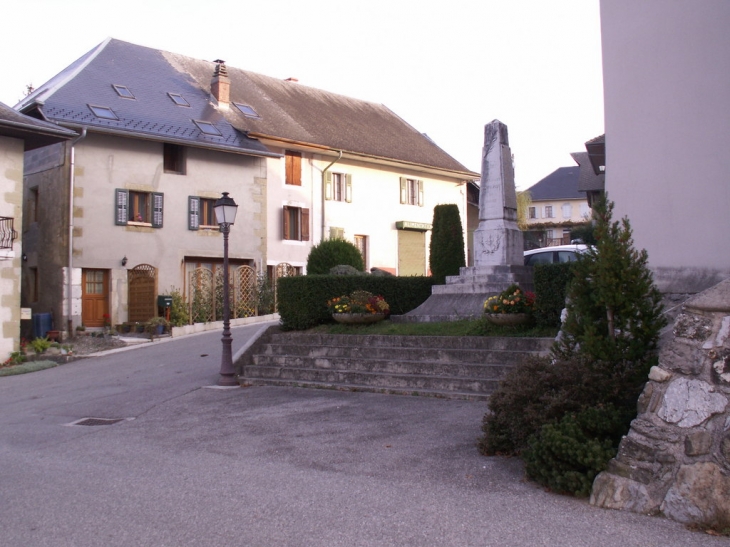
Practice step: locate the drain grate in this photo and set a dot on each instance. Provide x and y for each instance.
(97, 421)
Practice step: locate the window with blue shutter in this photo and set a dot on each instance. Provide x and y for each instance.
(193, 213)
(121, 198)
(157, 202)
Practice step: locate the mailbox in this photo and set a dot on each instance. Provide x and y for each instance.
(164, 301)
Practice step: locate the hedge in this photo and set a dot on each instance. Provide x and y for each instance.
(302, 300)
(551, 284)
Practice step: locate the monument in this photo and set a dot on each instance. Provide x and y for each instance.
(498, 243)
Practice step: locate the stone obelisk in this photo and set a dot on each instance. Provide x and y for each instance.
(498, 243)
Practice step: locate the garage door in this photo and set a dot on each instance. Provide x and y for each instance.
(411, 252)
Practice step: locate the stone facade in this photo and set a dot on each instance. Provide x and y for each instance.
(675, 460)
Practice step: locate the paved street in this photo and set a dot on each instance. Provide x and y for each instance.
(190, 466)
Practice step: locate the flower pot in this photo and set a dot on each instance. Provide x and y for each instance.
(159, 329)
(509, 319)
(358, 318)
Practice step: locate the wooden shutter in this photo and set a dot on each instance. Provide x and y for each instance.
(348, 188)
(121, 198)
(193, 213)
(420, 193)
(403, 190)
(328, 185)
(157, 203)
(294, 168)
(305, 224)
(337, 233)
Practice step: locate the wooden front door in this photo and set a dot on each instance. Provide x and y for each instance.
(94, 297)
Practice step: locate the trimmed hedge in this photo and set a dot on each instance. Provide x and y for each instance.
(551, 286)
(302, 300)
(331, 253)
(446, 253)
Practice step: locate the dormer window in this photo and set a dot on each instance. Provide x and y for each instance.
(103, 112)
(178, 99)
(247, 110)
(208, 128)
(123, 91)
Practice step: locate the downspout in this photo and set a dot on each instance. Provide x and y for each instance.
(324, 171)
(69, 280)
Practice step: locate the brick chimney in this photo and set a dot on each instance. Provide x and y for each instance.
(220, 85)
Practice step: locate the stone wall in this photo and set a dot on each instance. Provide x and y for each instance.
(675, 460)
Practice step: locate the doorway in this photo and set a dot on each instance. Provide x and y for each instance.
(94, 297)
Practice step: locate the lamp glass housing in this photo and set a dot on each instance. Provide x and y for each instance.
(225, 210)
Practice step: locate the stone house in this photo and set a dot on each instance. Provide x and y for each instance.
(163, 135)
(18, 134)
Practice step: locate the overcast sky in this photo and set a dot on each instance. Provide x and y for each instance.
(446, 67)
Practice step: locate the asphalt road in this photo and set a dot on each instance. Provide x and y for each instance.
(191, 466)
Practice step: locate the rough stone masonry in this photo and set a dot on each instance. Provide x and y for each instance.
(675, 460)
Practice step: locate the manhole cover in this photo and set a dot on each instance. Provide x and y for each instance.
(97, 421)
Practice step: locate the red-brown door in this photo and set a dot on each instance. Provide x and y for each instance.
(94, 297)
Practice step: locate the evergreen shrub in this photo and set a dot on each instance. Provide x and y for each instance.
(446, 253)
(302, 300)
(331, 253)
(551, 285)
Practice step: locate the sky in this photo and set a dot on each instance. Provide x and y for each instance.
(446, 68)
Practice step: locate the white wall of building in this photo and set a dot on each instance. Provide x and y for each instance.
(667, 84)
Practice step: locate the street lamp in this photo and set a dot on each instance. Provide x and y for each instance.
(225, 213)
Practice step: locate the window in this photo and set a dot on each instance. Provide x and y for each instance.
(138, 208)
(178, 99)
(567, 210)
(293, 168)
(296, 223)
(337, 233)
(123, 91)
(338, 187)
(208, 128)
(361, 242)
(548, 211)
(246, 110)
(103, 112)
(173, 158)
(33, 197)
(201, 213)
(531, 212)
(411, 191)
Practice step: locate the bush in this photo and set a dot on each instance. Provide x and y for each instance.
(266, 302)
(446, 253)
(302, 300)
(331, 253)
(179, 309)
(537, 392)
(551, 285)
(40, 345)
(566, 456)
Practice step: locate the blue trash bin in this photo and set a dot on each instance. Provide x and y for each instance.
(42, 323)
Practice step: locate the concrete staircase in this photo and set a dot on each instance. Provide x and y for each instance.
(437, 366)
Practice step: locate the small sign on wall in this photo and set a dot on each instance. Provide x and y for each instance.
(25, 313)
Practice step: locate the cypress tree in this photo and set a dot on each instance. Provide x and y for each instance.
(446, 253)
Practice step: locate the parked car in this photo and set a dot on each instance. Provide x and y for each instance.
(550, 255)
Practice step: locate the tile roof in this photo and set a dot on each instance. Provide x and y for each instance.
(35, 133)
(588, 181)
(560, 184)
(288, 111)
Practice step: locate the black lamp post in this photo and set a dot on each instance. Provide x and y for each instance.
(225, 213)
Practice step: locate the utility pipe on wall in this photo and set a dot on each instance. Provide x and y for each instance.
(324, 172)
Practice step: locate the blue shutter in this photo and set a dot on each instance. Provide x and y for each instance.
(121, 198)
(193, 213)
(157, 203)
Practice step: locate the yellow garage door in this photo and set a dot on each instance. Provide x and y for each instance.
(411, 252)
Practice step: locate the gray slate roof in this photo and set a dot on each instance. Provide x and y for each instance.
(35, 133)
(588, 181)
(287, 110)
(560, 184)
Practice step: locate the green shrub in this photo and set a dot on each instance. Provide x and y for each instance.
(333, 252)
(302, 300)
(446, 253)
(265, 295)
(584, 233)
(535, 392)
(40, 345)
(551, 285)
(567, 455)
(179, 309)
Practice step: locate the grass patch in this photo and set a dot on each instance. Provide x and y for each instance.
(478, 327)
(24, 368)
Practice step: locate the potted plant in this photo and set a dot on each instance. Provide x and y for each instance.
(157, 325)
(359, 307)
(513, 306)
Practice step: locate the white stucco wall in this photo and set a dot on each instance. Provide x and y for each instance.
(667, 83)
(373, 212)
(11, 185)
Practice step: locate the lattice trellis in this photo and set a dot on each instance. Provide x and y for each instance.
(206, 294)
(142, 287)
(202, 295)
(283, 269)
(245, 303)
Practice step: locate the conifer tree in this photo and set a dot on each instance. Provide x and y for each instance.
(446, 253)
